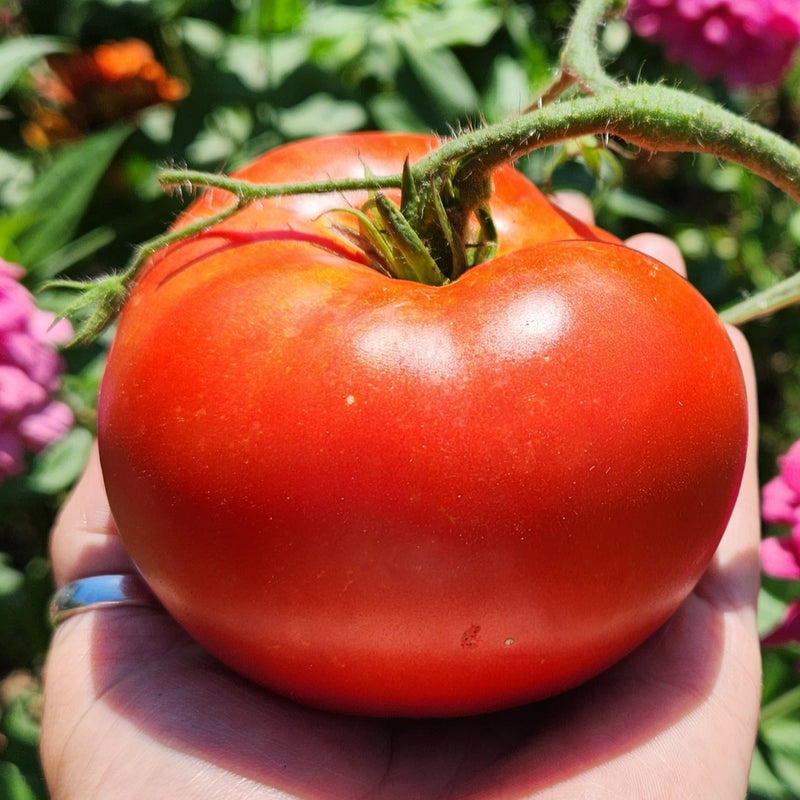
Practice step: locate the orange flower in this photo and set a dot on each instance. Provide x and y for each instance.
(89, 90)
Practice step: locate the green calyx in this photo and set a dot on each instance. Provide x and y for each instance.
(440, 229)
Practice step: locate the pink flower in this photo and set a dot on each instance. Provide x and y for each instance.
(789, 629)
(747, 43)
(780, 555)
(30, 372)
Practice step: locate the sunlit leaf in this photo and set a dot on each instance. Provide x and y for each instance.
(320, 113)
(60, 196)
(508, 92)
(75, 251)
(267, 17)
(58, 467)
(455, 23)
(763, 781)
(13, 785)
(443, 80)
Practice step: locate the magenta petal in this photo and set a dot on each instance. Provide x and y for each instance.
(780, 557)
(779, 502)
(745, 42)
(15, 305)
(30, 370)
(12, 453)
(10, 270)
(18, 393)
(790, 466)
(44, 326)
(716, 31)
(46, 426)
(788, 630)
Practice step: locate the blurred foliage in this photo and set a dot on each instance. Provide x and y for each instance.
(75, 195)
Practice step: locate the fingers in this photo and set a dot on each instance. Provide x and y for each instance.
(84, 539)
(740, 543)
(574, 203)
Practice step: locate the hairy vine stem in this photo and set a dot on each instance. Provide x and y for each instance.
(249, 192)
(652, 117)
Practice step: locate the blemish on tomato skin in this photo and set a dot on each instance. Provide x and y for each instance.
(508, 642)
(469, 639)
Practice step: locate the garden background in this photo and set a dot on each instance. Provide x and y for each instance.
(211, 83)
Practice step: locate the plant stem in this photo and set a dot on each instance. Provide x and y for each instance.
(257, 191)
(579, 56)
(652, 117)
(765, 302)
(152, 246)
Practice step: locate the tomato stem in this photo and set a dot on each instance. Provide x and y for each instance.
(652, 117)
(579, 60)
(104, 296)
(783, 294)
(249, 192)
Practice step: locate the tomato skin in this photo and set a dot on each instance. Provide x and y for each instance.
(381, 497)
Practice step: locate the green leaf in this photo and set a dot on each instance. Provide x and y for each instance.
(60, 465)
(763, 781)
(24, 629)
(225, 131)
(13, 785)
(392, 112)
(787, 769)
(74, 251)
(770, 611)
(632, 206)
(19, 725)
(200, 36)
(782, 735)
(19, 53)
(60, 196)
(454, 23)
(779, 674)
(16, 175)
(12, 226)
(320, 113)
(268, 17)
(21, 729)
(508, 91)
(443, 79)
(11, 580)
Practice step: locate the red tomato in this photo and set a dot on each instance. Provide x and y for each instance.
(382, 497)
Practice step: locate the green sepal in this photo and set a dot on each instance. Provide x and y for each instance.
(97, 303)
(415, 262)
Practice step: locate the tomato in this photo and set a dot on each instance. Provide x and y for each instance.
(382, 497)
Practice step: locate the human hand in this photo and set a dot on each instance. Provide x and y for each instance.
(134, 709)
